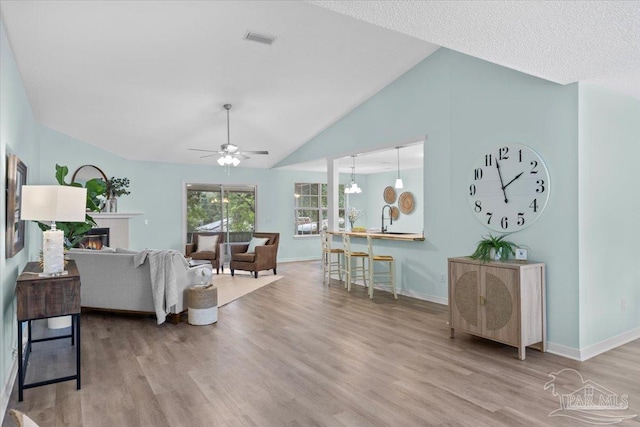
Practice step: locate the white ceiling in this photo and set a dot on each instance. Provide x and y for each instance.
(147, 80)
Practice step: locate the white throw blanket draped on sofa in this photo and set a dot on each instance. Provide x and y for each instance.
(163, 279)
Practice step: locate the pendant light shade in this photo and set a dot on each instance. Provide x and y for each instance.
(353, 187)
(399, 183)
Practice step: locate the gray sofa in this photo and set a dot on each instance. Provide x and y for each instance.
(109, 281)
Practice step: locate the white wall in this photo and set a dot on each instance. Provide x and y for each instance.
(609, 217)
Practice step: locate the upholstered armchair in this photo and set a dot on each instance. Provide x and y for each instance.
(205, 247)
(263, 256)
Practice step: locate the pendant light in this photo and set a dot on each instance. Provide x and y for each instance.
(353, 188)
(399, 183)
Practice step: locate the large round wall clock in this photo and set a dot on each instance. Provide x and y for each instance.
(508, 188)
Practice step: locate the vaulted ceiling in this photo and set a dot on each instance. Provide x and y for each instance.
(147, 80)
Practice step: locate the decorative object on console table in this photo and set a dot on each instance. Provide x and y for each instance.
(75, 231)
(117, 187)
(53, 203)
(16, 178)
(494, 248)
(501, 301)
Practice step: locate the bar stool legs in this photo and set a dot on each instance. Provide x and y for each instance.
(353, 273)
(387, 276)
(330, 265)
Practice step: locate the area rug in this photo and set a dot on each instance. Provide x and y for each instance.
(232, 288)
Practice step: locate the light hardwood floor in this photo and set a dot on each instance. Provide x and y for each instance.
(298, 353)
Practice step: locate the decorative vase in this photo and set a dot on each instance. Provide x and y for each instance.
(497, 255)
(113, 204)
(352, 223)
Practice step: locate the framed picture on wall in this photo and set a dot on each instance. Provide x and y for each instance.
(16, 178)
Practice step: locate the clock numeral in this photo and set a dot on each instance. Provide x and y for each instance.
(489, 214)
(472, 190)
(520, 218)
(534, 205)
(504, 223)
(503, 153)
(520, 156)
(534, 166)
(478, 207)
(488, 160)
(540, 189)
(478, 174)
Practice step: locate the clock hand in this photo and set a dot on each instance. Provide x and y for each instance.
(509, 183)
(502, 183)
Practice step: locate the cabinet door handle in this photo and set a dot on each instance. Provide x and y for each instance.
(483, 300)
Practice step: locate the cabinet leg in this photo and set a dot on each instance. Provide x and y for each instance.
(77, 334)
(20, 372)
(451, 333)
(521, 352)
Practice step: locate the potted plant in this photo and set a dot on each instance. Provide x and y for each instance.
(496, 248)
(117, 187)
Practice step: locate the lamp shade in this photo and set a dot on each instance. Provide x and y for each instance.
(53, 203)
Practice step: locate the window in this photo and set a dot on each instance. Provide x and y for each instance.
(311, 214)
(221, 208)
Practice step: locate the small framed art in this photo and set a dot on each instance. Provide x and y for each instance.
(16, 178)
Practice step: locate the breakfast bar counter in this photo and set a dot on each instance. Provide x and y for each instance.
(410, 237)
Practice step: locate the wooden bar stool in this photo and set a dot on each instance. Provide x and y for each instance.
(330, 265)
(360, 272)
(387, 275)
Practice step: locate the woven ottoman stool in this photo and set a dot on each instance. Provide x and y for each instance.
(202, 303)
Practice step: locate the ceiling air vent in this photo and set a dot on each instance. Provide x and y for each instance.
(260, 38)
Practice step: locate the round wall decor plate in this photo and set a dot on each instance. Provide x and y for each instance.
(406, 203)
(395, 213)
(389, 194)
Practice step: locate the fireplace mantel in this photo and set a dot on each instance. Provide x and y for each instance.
(114, 215)
(118, 224)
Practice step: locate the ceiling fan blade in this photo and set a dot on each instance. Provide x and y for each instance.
(208, 155)
(199, 149)
(241, 155)
(256, 152)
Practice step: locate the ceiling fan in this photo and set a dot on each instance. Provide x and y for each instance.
(229, 153)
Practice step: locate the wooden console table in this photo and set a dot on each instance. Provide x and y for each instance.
(41, 298)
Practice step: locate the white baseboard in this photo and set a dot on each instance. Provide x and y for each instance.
(8, 387)
(596, 349)
(315, 258)
(425, 297)
(609, 344)
(564, 351)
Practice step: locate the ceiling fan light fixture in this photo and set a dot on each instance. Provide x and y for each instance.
(235, 161)
(221, 161)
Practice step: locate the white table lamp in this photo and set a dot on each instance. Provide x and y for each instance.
(53, 203)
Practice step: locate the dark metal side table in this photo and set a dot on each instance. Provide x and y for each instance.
(41, 298)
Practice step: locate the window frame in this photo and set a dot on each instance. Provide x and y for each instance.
(310, 208)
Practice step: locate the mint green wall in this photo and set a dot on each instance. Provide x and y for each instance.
(412, 181)
(18, 135)
(609, 268)
(467, 106)
(157, 193)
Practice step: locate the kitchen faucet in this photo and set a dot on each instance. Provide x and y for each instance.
(384, 229)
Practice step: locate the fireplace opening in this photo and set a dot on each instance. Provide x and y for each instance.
(95, 239)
